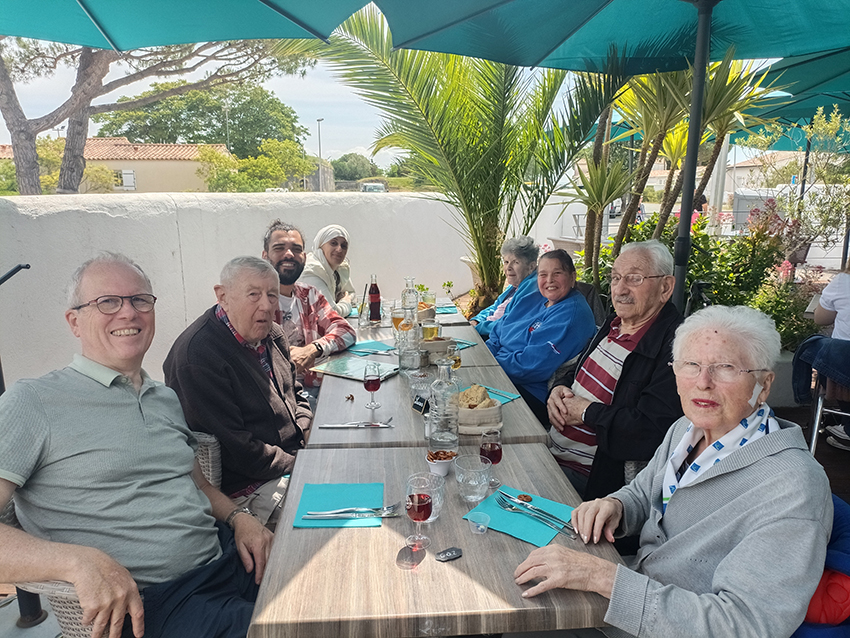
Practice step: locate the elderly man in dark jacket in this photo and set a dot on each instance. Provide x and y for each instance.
(612, 411)
(232, 372)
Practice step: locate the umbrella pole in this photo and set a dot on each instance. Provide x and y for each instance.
(683, 240)
(805, 170)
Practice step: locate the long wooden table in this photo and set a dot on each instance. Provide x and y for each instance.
(472, 357)
(345, 582)
(520, 424)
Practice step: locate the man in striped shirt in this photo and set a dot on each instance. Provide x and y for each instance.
(611, 412)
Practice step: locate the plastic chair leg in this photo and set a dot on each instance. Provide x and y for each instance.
(29, 606)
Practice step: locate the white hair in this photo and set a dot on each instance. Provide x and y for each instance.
(233, 269)
(660, 259)
(754, 330)
(105, 257)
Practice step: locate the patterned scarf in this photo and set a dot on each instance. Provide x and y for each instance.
(678, 473)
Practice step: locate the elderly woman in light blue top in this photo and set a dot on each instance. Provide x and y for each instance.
(734, 514)
(328, 270)
(519, 260)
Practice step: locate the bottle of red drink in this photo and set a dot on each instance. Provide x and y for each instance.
(374, 300)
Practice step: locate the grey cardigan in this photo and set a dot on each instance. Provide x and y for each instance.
(739, 552)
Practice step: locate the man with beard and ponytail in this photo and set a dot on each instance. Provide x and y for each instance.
(612, 411)
(312, 326)
(232, 373)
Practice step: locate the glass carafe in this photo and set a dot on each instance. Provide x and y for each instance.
(443, 417)
(409, 296)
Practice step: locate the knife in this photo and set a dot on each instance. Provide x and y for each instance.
(542, 519)
(538, 510)
(349, 515)
(358, 424)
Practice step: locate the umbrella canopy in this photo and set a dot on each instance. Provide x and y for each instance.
(654, 35)
(124, 25)
(657, 34)
(826, 72)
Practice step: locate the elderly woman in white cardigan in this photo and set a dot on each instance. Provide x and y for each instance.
(734, 514)
(328, 270)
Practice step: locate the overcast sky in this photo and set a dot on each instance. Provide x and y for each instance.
(348, 127)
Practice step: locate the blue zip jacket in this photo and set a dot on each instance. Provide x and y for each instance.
(534, 340)
(485, 327)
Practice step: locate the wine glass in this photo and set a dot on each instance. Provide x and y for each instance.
(491, 448)
(453, 353)
(419, 504)
(372, 382)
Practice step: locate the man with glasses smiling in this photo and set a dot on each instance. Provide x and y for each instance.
(101, 464)
(612, 411)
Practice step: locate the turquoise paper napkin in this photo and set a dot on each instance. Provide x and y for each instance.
(502, 396)
(446, 310)
(519, 525)
(463, 343)
(333, 496)
(362, 348)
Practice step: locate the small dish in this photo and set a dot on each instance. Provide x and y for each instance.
(441, 468)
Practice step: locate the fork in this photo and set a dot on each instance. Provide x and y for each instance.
(506, 505)
(388, 509)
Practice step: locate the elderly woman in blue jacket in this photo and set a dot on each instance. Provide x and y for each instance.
(544, 329)
(519, 260)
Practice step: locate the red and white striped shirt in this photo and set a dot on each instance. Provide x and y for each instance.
(595, 381)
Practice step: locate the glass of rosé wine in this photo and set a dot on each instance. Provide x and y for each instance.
(419, 506)
(491, 448)
(372, 382)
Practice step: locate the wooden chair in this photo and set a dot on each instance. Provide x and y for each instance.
(60, 594)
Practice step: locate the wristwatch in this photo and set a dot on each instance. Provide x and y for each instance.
(239, 510)
(318, 348)
(583, 413)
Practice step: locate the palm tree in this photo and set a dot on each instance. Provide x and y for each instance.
(652, 106)
(484, 133)
(732, 94)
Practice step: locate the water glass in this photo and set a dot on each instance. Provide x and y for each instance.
(437, 486)
(431, 329)
(473, 477)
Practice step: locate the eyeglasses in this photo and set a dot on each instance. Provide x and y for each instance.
(110, 304)
(720, 372)
(633, 280)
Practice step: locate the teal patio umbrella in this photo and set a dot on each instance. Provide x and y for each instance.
(814, 74)
(124, 25)
(654, 35)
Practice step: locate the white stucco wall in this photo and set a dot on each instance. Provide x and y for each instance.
(182, 240)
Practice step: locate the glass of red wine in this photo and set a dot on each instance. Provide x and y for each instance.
(372, 382)
(419, 504)
(491, 448)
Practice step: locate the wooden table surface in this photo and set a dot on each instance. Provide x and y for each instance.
(520, 424)
(344, 583)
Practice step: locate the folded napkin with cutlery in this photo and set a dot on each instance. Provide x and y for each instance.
(520, 525)
(362, 348)
(330, 496)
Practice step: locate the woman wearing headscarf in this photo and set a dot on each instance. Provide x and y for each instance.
(734, 513)
(328, 270)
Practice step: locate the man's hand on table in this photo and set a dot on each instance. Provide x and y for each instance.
(565, 408)
(303, 357)
(556, 566)
(254, 543)
(107, 593)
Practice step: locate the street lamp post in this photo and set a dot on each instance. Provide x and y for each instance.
(319, 121)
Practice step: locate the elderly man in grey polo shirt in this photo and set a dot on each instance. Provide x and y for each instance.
(101, 465)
